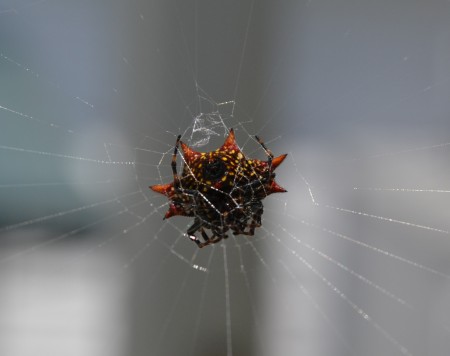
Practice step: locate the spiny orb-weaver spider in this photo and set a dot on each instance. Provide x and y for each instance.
(221, 189)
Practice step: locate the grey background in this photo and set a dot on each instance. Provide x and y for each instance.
(356, 93)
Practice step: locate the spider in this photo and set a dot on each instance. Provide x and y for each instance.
(221, 189)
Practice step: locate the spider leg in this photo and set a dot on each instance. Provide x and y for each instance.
(268, 153)
(176, 180)
(251, 229)
(197, 225)
(206, 238)
(217, 239)
(204, 235)
(257, 211)
(256, 219)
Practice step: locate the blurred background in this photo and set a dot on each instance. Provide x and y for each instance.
(353, 260)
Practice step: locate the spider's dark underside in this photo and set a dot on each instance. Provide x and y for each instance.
(222, 189)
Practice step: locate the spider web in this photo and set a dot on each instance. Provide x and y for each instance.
(353, 260)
